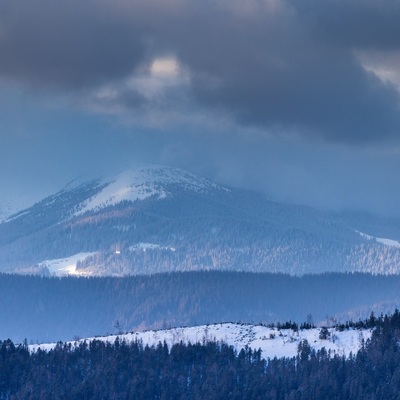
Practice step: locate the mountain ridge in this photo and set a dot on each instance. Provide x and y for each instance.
(272, 341)
(144, 182)
(127, 224)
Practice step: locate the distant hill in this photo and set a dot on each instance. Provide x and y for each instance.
(271, 340)
(160, 219)
(51, 309)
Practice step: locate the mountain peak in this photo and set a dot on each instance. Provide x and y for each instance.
(144, 182)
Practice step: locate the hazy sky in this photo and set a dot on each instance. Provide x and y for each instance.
(298, 99)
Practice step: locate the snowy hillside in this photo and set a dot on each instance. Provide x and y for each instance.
(384, 241)
(154, 219)
(65, 266)
(271, 341)
(142, 183)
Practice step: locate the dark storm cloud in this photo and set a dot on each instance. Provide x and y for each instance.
(354, 23)
(277, 65)
(72, 44)
(270, 69)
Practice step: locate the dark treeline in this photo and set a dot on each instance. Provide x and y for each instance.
(98, 370)
(51, 309)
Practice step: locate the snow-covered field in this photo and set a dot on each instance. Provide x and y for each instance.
(65, 266)
(271, 341)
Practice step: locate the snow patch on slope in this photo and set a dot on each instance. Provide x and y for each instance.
(384, 241)
(271, 341)
(144, 182)
(65, 266)
(150, 246)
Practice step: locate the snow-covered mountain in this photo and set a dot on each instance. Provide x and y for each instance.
(78, 198)
(143, 183)
(158, 219)
(273, 342)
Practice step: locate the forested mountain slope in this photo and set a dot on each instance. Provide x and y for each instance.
(158, 219)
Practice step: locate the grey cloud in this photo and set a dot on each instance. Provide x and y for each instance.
(295, 170)
(277, 65)
(353, 23)
(269, 70)
(316, 93)
(72, 44)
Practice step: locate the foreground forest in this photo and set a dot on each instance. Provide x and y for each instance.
(50, 309)
(98, 370)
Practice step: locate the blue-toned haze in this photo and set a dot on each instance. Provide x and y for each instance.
(299, 100)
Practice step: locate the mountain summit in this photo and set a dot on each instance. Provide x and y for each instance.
(161, 219)
(144, 182)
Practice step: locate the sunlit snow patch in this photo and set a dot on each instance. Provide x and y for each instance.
(384, 241)
(65, 266)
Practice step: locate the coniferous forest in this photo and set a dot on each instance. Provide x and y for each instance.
(98, 370)
(43, 309)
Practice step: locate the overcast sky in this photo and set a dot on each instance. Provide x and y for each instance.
(297, 99)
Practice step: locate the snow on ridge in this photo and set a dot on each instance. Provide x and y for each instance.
(271, 341)
(144, 182)
(384, 241)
